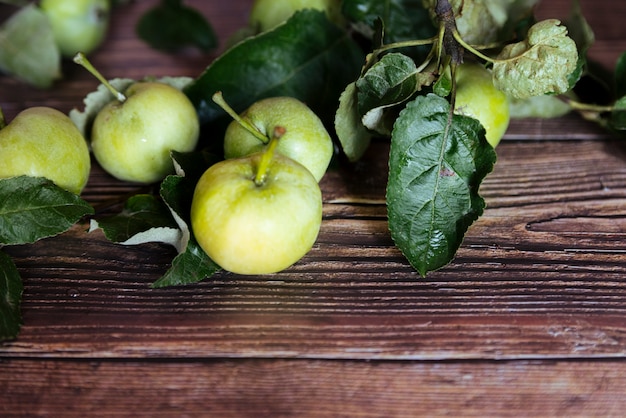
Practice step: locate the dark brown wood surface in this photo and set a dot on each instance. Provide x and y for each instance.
(529, 320)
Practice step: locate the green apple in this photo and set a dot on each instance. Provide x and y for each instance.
(306, 140)
(44, 142)
(267, 14)
(132, 139)
(133, 135)
(477, 97)
(257, 214)
(77, 25)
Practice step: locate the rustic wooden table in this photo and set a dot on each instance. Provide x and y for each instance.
(529, 320)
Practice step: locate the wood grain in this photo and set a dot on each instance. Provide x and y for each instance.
(277, 388)
(528, 320)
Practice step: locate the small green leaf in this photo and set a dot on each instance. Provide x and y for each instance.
(32, 208)
(307, 57)
(435, 169)
(27, 48)
(10, 298)
(145, 218)
(171, 26)
(391, 81)
(541, 64)
(352, 135)
(191, 266)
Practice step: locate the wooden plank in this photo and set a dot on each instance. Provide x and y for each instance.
(276, 388)
(540, 275)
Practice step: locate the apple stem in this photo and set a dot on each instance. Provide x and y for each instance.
(218, 98)
(81, 59)
(268, 155)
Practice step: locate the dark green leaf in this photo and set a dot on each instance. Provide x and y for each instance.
(192, 165)
(177, 193)
(578, 29)
(191, 266)
(32, 208)
(10, 298)
(620, 76)
(435, 170)
(403, 19)
(307, 57)
(145, 218)
(171, 26)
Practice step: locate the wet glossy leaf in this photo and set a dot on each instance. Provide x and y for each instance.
(32, 208)
(435, 170)
(188, 267)
(307, 57)
(10, 298)
(541, 64)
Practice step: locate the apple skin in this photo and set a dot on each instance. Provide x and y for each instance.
(44, 142)
(132, 140)
(477, 97)
(77, 25)
(305, 140)
(256, 229)
(267, 14)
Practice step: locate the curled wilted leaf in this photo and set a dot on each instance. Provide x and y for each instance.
(483, 21)
(541, 64)
(352, 135)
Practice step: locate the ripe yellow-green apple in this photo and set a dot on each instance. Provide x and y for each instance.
(267, 14)
(77, 25)
(258, 214)
(306, 140)
(132, 136)
(477, 97)
(44, 142)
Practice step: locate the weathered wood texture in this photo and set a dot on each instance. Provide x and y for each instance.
(287, 388)
(529, 319)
